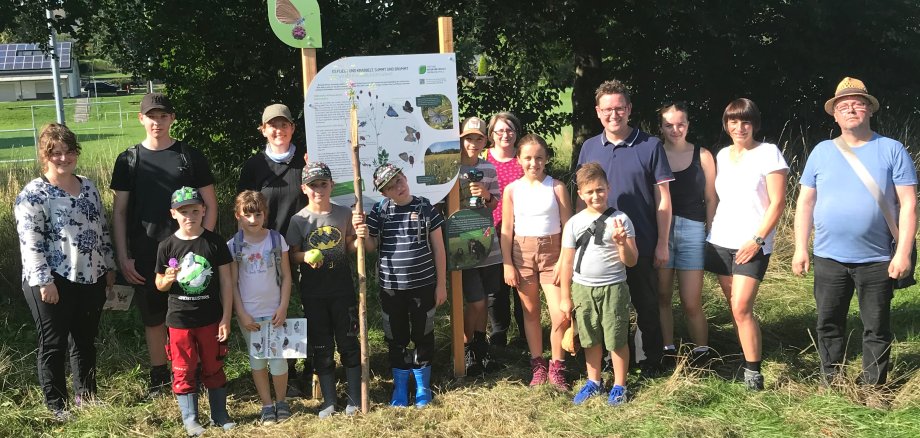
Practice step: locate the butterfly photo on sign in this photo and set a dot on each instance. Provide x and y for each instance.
(296, 22)
(436, 111)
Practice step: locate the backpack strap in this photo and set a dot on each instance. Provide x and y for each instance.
(276, 253)
(133, 157)
(596, 229)
(238, 244)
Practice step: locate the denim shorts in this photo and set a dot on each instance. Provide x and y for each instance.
(686, 244)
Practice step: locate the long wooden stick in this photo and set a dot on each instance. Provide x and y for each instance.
(308, 69)
(362, 278)
(446, 39)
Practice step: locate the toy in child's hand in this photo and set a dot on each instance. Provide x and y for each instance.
(173, 263)
(172, 266)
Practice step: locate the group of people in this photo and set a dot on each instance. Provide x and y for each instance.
(647, 210)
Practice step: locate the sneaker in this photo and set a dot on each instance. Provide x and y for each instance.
(589, 390)
(557, 375)
(474, 365)
(538, 367)
(669, 359)
(700, 357)
(618, 395)
(490, 364)
(753, 380)
(268, 415)
(61, 415)
(282, 411)
(327, 412)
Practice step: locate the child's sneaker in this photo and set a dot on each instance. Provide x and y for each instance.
(617, 396)
(557, 375)
(753, 380)
(474, 365)
(538, 367)
(282, 411)
(268, 415)
(589, 390)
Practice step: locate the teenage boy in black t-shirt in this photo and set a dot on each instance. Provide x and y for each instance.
(193, 266)
(144, 177)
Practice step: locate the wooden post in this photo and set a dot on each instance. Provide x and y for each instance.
(362, 278)
(308, 64)
(446, 40)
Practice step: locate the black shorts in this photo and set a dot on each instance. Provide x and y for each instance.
(151, 302)
(478, 283)
(721, 261)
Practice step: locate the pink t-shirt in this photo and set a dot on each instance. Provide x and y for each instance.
(508, 172)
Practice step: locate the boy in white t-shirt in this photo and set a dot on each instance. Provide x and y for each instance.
(261, 289)
(598, 244)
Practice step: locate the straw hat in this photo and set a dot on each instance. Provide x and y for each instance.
(850, 87)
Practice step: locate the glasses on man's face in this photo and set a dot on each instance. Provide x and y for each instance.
(503, 132)
(855, 106)
(608, 111)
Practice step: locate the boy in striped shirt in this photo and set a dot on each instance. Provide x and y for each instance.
(412, 275)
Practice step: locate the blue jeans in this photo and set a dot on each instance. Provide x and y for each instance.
(834, 285)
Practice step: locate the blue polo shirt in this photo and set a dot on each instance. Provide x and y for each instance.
(634, 167)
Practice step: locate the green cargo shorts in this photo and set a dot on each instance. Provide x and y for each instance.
(602, 314)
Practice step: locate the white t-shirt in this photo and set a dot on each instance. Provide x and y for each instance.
(743, 200)
(536, 211)
(259, 289)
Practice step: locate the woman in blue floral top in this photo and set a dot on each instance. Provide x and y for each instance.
(67, 265)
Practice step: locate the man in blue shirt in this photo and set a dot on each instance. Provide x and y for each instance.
(853, 244)
(638, 174)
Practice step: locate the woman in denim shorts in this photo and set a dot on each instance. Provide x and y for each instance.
(693, 201)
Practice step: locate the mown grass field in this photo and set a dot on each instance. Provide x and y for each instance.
(687, 404)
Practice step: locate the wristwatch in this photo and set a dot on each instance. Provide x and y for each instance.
(759, 240)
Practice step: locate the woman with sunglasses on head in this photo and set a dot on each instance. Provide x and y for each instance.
(67, 265)
(693, 203)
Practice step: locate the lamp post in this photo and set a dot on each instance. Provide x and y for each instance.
(55, 70)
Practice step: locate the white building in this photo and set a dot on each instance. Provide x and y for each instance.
(25, 72)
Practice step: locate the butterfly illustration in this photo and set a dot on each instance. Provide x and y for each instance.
(407, 107)
(258, 347)
(435, 117)
(361, 125)
(287, 13)
(407, 158)
(412, 134)
(285, 343)
(392, 112)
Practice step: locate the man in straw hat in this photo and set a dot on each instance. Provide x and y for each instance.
(855, 246)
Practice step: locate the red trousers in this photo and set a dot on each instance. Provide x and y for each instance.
(188, 347)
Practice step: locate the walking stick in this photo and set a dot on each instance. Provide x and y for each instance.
(362, 278)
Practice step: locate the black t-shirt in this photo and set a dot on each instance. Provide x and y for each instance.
(194, 299)
(279, 182)
(157, 175)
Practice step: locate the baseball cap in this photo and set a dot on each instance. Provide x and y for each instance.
(185, 196)
(276, 110)
(315, 171)
(384, 174)
(473, 125)
(152, 101)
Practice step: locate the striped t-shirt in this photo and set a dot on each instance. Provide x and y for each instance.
(406, 260)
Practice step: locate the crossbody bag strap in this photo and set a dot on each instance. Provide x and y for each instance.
(869, 182)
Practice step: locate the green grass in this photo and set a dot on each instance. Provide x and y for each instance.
(687, 404)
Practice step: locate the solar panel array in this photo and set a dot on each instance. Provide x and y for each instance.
(30, 57)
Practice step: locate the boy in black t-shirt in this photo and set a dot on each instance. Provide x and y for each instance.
(144, 177)
(193, 266)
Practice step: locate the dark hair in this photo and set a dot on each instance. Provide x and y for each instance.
(611, 87)
(677, 105)
(54, 134)
(508, 118)
(743, 109)
(589, 172)
(533, 138)
(250, 201)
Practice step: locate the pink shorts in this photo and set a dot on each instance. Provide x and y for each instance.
(535, 257)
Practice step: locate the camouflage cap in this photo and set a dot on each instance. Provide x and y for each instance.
(384, 174)
(185, 196)
(315, 171)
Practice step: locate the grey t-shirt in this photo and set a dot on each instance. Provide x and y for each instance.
(601, 264)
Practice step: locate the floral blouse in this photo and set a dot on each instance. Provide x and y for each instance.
(62, 234)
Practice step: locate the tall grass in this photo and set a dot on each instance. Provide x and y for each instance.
(689, 403)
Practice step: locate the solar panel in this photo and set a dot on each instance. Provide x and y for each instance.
(29, 57)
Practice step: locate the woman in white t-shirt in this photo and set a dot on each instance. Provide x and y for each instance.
(751, 186)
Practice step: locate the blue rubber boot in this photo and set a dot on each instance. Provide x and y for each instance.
(400, 388)
(188, 405)
(217, 397)
(423, 393)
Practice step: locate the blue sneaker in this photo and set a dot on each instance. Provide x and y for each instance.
(617, 396)
(589, 390)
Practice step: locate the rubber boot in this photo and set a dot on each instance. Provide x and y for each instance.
(353, 376)
(423, 393)
(327, 386)
(217, 397)
(400, 388)
(188, 405)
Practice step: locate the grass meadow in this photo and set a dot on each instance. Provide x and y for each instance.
(689, 403)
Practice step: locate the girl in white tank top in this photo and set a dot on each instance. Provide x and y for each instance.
(534, 209)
